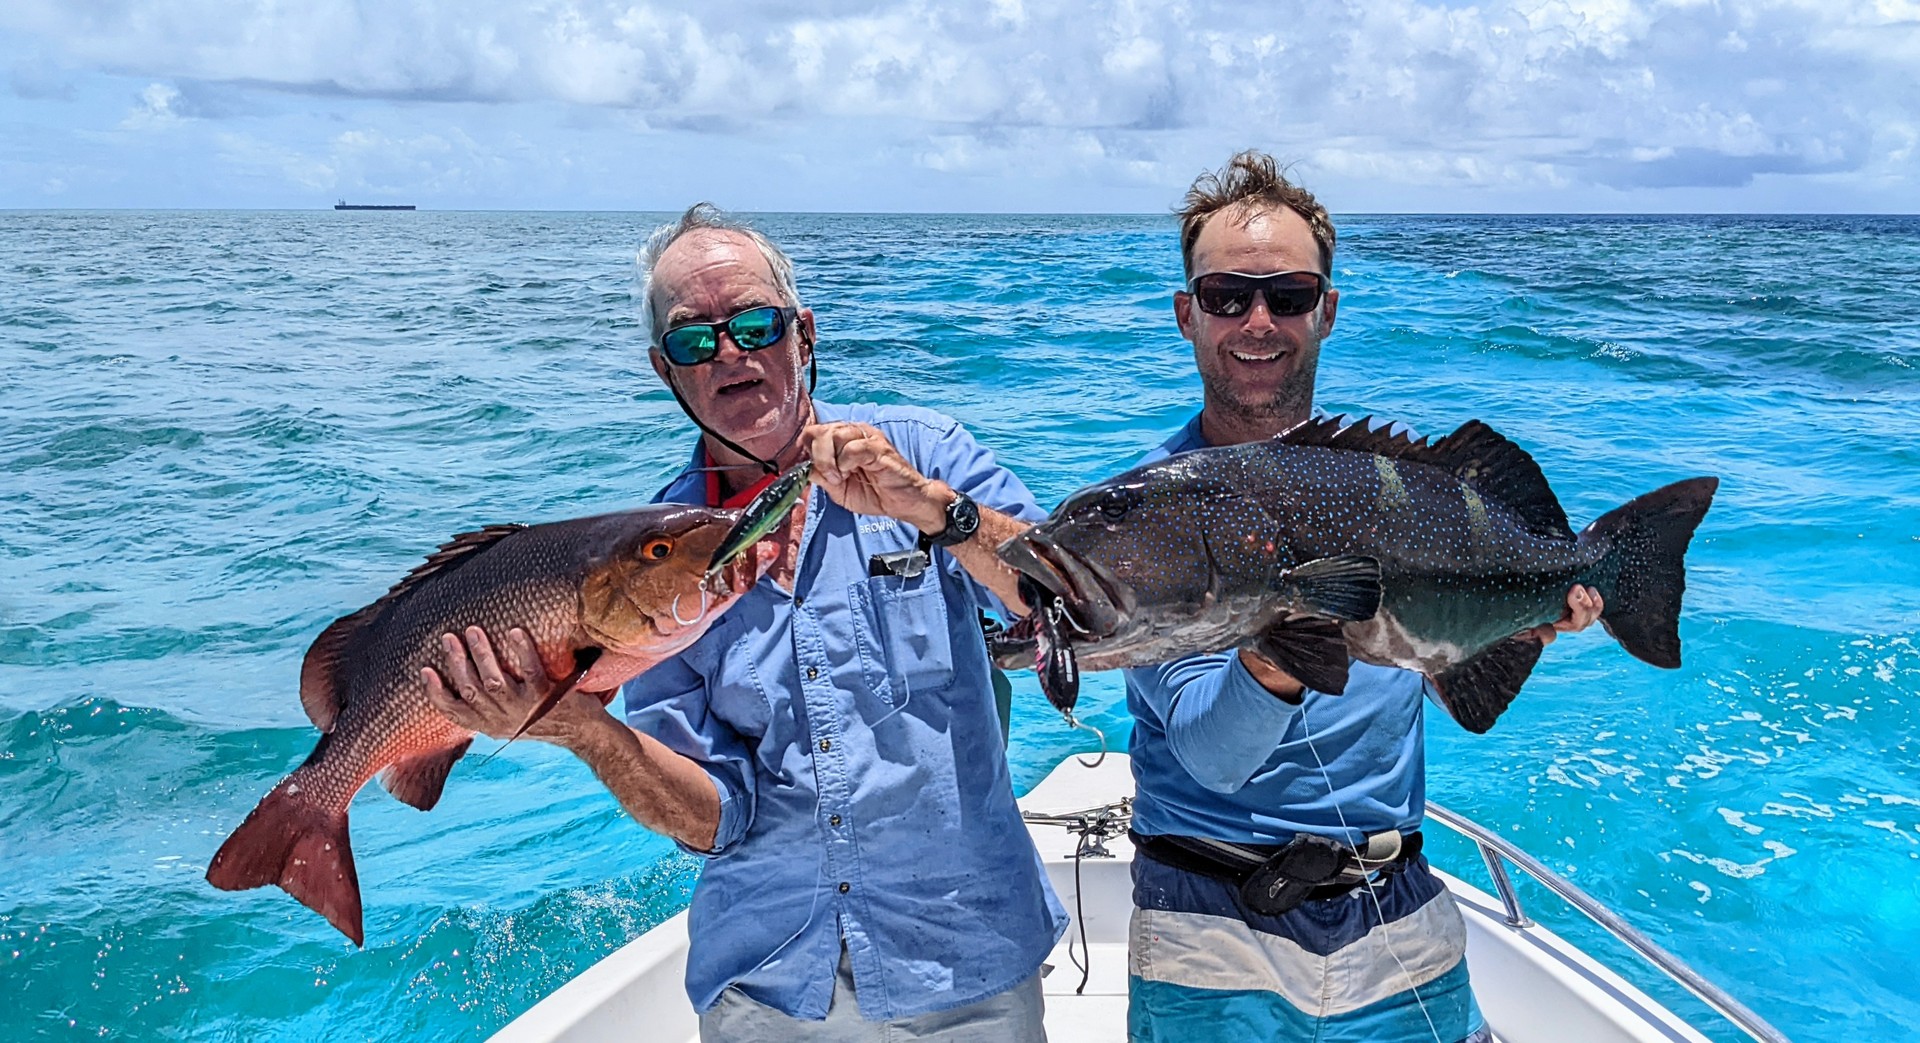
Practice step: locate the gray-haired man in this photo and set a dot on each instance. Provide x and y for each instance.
(831, 744)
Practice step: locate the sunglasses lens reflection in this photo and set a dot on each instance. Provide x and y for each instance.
(1288, 293)
(757, 328)
(699, 342)
(690, 345)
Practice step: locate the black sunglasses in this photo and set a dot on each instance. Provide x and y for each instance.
(696, 342)
(1231, 293)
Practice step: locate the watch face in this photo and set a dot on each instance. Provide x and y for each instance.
(963, 515)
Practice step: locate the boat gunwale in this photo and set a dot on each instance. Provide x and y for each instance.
(1494, 848)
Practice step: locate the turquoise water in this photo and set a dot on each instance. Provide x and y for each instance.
(221, 430)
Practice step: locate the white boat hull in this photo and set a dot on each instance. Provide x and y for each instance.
(1532, 985)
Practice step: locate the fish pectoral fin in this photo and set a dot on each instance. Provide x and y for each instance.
(583, 661)
(1477, 691)
(419, 780)
(1345, 587)
(1312, 650)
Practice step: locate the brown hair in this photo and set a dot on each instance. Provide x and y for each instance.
(1251, 182)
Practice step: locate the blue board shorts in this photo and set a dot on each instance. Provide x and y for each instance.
(1204, 969)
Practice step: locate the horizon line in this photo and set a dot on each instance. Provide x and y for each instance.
(329, 208)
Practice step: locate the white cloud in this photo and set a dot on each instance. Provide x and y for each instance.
(156, 107)
(1615, 94)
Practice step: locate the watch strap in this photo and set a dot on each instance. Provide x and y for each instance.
(952, 534)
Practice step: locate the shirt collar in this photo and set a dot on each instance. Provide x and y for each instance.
(1192, 437)
(691, 484)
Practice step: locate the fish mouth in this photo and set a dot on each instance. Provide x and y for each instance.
(1095, 601)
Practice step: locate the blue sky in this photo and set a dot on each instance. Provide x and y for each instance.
(959, 105)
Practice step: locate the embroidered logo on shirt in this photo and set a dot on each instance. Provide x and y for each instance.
(877, 525)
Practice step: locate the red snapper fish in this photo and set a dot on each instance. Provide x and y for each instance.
(604, 598)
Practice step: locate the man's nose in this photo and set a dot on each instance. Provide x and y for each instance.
(1259, 319)
(725, 347)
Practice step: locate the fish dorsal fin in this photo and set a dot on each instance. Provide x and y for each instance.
(1342, 432)
(323, 692)
(449, 556)
(1502, 471)
(1476, 454)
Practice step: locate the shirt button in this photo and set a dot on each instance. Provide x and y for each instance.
(825, 745)
(833, 820)
(845, 887)
(799, 601)
(813, 672)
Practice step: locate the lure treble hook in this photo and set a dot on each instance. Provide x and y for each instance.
(1080, 725)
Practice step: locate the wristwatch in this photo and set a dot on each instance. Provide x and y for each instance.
(963, 520)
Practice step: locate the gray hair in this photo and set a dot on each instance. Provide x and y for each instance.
(705, 217)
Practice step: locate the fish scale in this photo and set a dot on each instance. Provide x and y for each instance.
(603, 599)
(1332, 542)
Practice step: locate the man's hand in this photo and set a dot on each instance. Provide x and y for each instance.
(1583, 607)
(1284, 686)
(862, 471)
(492, 695)
(663, 790)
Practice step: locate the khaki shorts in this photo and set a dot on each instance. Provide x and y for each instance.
(1013, 1016)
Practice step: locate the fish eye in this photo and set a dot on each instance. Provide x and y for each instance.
(657, 548)
(1116, 503)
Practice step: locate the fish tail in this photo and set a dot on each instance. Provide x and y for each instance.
(1648, 560)
(302, 847)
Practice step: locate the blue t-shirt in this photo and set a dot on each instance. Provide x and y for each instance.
(849, 728)
(1217, 755)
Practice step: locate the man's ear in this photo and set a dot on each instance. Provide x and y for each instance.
(804, 326)
(1183, 312)
(1331, 306)
(659, 364)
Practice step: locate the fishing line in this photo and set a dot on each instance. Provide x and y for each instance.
(905, 683)
(1079, 912)
(813, 906)
(1378, 911)
(767, 465)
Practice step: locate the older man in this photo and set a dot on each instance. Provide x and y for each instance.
(831, 745)
(1239, 766)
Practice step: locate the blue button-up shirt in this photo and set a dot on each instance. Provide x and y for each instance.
(849, 728)
(1217, 755)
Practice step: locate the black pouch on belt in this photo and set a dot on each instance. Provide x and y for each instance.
(1285, 880)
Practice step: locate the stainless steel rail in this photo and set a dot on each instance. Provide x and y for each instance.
(1493, 849)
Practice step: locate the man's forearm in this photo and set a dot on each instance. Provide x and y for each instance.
(663, 790)
(978, 558)
(1222, 723)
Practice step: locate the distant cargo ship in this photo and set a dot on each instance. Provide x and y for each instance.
(344, 205)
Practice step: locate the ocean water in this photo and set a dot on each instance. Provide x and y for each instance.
(218, 431)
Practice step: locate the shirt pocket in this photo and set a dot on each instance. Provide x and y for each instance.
(906, 646)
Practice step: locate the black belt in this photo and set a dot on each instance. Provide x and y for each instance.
(1275, 878)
